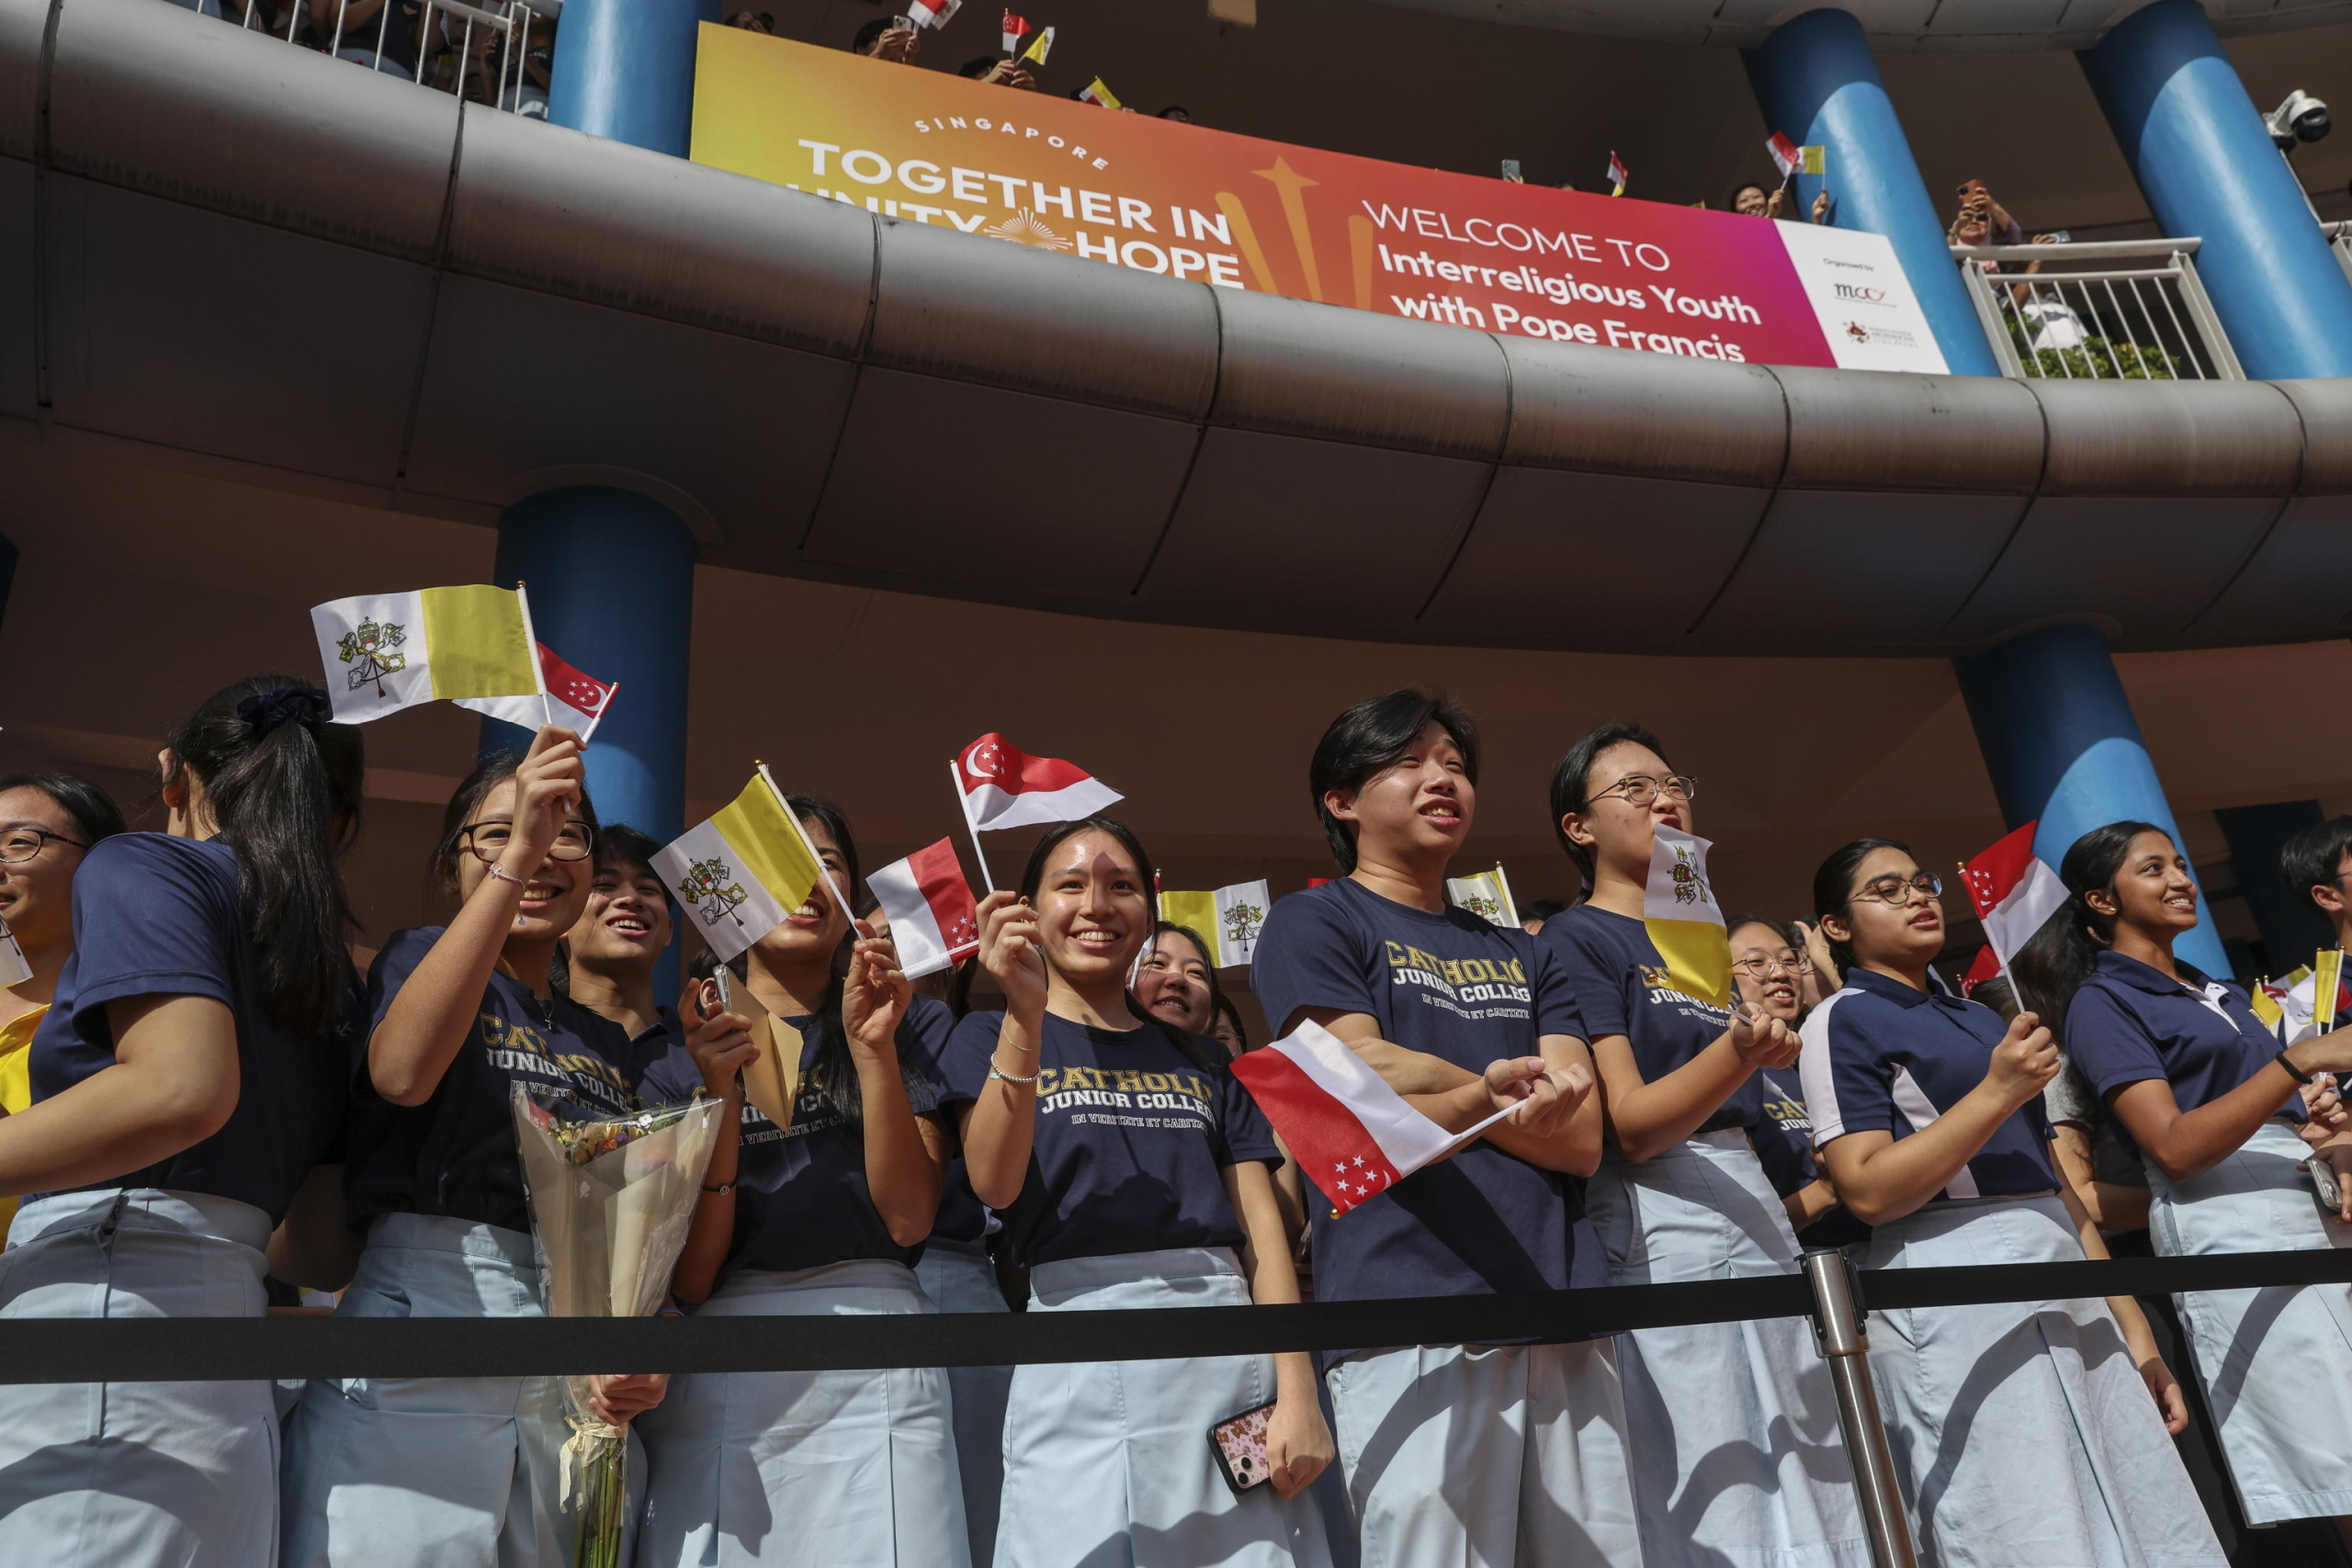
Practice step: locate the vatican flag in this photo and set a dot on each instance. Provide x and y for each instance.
(741, 872)
(388, 651)
(1684, 921)
(1487, 895)
(1229, 919)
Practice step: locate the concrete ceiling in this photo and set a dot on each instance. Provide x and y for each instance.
(1904, 25)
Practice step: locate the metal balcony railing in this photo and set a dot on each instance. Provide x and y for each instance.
(2086, 312)
(493, 52)
(2339, 235)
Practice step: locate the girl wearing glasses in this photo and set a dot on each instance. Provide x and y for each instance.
(461, 1472)
(2027, 1434)
(187, 1077)
(1768, 968)
(2203, 1088)
(1736, 1451)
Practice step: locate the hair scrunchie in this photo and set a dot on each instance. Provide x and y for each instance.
(305, 705)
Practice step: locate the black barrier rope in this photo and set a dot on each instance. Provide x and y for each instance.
(46, 1350)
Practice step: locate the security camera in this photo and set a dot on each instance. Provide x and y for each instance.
(2301, 118)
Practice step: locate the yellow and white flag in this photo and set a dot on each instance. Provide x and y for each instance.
(388, 651)
(743, 871)
(1684, 921)
(1487, 895)
(2298, 1006)
(1229, 918)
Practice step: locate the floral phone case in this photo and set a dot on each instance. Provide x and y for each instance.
(1239, 1443)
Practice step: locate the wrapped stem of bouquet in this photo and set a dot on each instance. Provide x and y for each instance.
(611, 1201)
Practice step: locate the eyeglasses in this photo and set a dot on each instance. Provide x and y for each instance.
(1640, 790)
(488, 840)
(1761, 968)
(22, 844)
(1897, 890)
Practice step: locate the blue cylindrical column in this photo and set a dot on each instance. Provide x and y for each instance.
(2059, 739)
(625, 70)
(2197, 144)
(612, 581)
(1816, 80)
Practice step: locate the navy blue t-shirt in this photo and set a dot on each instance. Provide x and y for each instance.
(1459, 987)
(962, 1216)
(800, 1195)
(155, 915)
(1131, 1143)
(1880, 1057)
(455, 1155)
(1783, 1140)
(1621, 987)
(2130, 1023)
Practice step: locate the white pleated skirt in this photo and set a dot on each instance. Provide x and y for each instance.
(137, 1475)
(1107, 1464)
(842, 1469)
(2264, 1357)
(2023, 1435)
(1738, 1457)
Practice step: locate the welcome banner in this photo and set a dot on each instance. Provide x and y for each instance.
(1189, 202)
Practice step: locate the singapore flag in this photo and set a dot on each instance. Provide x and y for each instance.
(1003, 787)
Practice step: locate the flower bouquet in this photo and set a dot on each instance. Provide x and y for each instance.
(610, 1199)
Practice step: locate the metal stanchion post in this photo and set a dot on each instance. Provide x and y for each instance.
(1837, 1330)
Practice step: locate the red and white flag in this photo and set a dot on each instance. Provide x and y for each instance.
(1617, 176)
(1015, 29)
(934, 922)
(578, 701)
(2014, 892)
(1353, 1135)
(1003, 787)
(1785, 154)
(932, 13)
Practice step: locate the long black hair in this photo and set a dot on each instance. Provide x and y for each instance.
(283, 785)
(92, 810)
(1833, 889)
(2052, 966)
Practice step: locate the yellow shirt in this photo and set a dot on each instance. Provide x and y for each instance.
(16, 1080)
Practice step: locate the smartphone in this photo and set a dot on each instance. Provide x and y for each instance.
(1511, 171)
(2331, 1192)
(1239, 1444)
(726, 988)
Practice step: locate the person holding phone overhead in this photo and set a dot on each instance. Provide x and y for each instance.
(822, 1216)
(2025, 1435)
(1469, 1454)
(1132, 1171)
(2205, 1093)
(1736, 1452)
(462, 1473)
(186, 1080)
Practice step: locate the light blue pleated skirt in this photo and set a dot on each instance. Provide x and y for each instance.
(137, 1475)
(2023, 1435)
(458, 1472)
(2264, 1356)
(842, 1469)
(1107, 1464)
(960, 1277)
(1736, 1454)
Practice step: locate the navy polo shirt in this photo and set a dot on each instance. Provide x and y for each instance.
(2128, 1023)
(1621, 986)
(1880, 1057)
(1783, 1140)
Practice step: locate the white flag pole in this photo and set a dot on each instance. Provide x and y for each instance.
(849, 910)
(1510, 905)
(964, 804)
(531, 648)
(601, 708)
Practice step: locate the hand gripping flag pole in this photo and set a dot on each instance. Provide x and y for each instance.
(964, 805)
(531, 641)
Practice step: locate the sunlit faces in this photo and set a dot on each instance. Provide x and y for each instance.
(1418, 806)
(1907, 932)
(2153, 889)
(1628, 793)
(553, 895)
(1767, 970)
(1750, 201)
(36, 893)
(627, 921)
(1174, 983)
(814, 931)
(1093, 907)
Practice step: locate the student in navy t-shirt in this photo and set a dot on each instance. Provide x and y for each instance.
(2024, 1433)
(1454, 1452)
(1768, 969)
(186, 1081)
(610, 952)
(1132, 1171)
(1734, 1431)
(462, 1472)
(2201, 1087)
(819, 1217)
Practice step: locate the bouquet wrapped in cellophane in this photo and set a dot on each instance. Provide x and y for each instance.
(610, 1199)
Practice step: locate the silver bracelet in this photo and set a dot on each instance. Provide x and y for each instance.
(997, 1072)
(505, 875)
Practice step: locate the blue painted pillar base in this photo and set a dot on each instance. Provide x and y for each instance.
(2197, 144)
(2062, 745)
(625, 70)
(1814, 79)
(2291, 930)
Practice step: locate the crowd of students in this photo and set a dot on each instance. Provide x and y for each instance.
(213, 1100)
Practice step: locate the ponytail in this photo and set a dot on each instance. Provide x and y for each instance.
(282, 785)
(2052, 967)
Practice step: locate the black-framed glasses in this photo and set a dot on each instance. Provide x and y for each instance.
(1897, 890)
(24, 842)
(1639, 790)
(488, 840)
(1761, 968)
